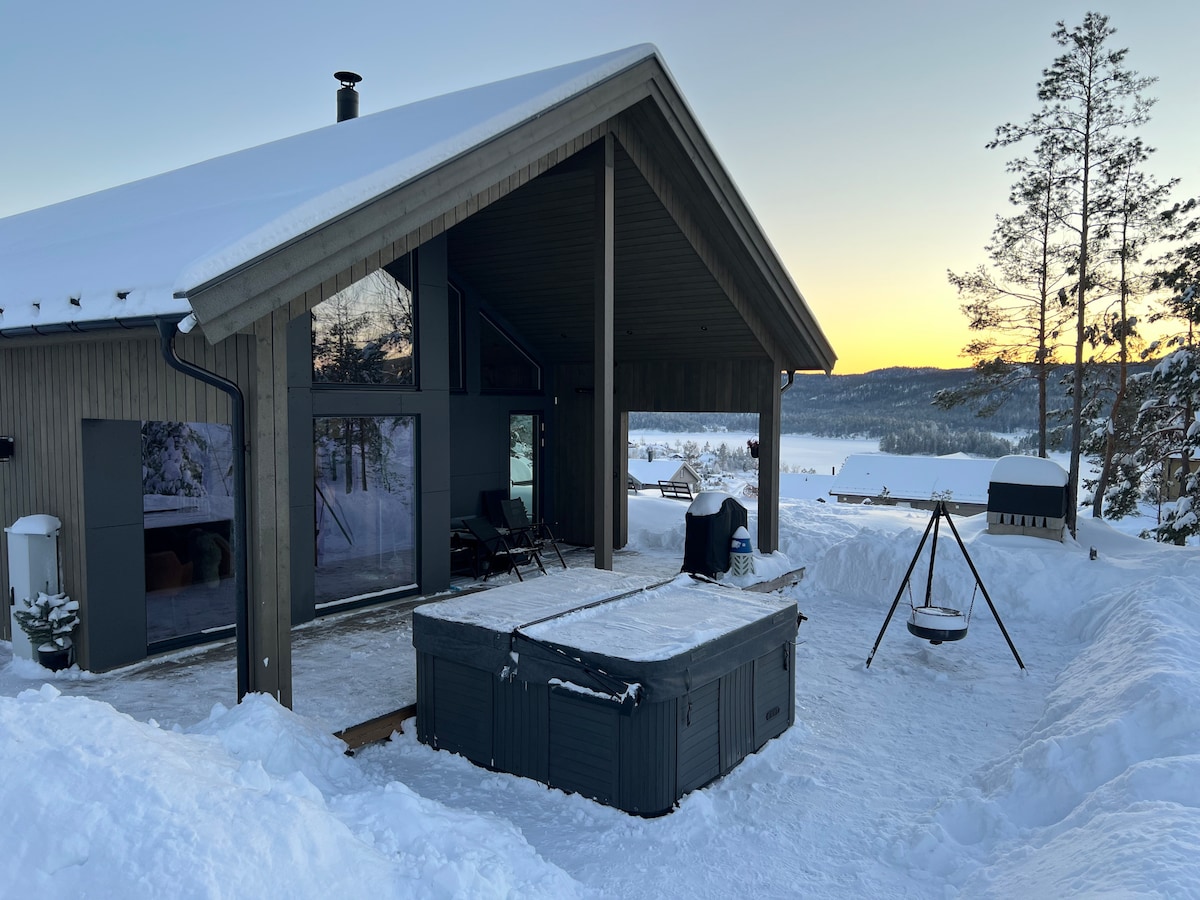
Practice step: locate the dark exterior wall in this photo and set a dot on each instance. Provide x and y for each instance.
(697, 385)
(49, 386)
(115, 630)
(571, 458)
(478, 439)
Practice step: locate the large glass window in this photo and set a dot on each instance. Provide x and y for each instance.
(365, 506)
(503, 366)
(187, 504)
(364, 334)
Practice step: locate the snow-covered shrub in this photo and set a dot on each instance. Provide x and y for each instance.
(48, 620)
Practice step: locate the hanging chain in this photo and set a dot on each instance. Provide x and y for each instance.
(972, 607)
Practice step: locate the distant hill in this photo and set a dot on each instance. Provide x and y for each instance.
(871, 405)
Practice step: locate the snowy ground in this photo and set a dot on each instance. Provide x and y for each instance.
(938, 772)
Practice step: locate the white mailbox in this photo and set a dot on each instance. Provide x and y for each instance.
(32, 567)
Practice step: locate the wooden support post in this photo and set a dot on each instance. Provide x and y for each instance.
(603, 356)
(768, 462)
(620, 479)
(270, 531)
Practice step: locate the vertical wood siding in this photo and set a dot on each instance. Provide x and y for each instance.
(48, 387)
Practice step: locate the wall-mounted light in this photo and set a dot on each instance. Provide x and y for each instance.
(6, 449)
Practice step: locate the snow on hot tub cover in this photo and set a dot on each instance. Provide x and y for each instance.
(668, 638)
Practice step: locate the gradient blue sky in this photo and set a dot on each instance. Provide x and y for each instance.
(855, 130)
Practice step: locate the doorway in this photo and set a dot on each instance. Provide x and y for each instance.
(525, 442)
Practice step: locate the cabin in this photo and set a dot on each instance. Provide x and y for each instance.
(259, 389)
(647, 473)
(918, 482)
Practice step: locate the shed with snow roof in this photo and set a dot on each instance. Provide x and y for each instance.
(401, 299)
(1028, 495)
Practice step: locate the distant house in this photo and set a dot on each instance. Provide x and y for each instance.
(649, 472)
(804, 486)
(1174, 476)
(915, 481)
(407, 304)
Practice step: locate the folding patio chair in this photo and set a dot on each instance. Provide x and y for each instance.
(526, 533)
(499, 555)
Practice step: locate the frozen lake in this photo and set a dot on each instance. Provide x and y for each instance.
(805, 451)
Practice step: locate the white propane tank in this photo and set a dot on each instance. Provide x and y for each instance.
(741, 559)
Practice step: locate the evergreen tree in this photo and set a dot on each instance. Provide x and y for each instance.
(1167, 424)
(1019, 303)
(1136, 221)
(1090, 100)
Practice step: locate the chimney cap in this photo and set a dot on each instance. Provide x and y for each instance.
(348, 79)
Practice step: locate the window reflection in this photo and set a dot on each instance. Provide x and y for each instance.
(187, 504)
(363, 334)
(365, 495)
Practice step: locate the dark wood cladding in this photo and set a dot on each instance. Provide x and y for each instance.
(696, 385)
(531, 253)
(52, 387)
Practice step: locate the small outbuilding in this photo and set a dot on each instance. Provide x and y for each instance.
(649, 472)
(1028, 495)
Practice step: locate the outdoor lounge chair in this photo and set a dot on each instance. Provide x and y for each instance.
(499, 555)
(525, 533)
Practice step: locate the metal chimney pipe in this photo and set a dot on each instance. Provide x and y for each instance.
(347, 96)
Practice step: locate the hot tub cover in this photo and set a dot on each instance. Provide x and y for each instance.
(606, 632)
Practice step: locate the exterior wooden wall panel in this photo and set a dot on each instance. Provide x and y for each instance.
(101, 376)
(698, 385)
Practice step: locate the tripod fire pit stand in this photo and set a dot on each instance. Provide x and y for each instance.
(939, 623)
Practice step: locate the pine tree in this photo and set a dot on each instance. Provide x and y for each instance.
(1167, 423)
(1135, 222)
(1018, 304)
(1090, 100)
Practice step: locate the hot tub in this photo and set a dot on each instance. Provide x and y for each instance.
(599, 685)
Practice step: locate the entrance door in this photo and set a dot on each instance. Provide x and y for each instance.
(524, 459)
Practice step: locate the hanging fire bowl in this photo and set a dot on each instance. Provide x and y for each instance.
(937, 624)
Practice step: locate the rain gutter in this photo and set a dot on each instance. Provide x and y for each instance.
(167, 329)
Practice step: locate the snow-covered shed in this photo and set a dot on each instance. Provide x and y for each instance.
(915, 481)
(649, 472)
(394, 297)
(1028, 495)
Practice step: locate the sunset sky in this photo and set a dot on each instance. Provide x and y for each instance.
(855, 130)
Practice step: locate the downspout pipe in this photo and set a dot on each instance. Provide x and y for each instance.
(167, 329)
(791, 378)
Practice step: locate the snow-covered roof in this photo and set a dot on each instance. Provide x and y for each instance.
(1032, 470)
(804, 486)
(652, 471)
(962, 480)
(138, 249)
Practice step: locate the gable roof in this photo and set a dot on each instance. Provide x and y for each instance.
(159, 238)
(234, 237)
(652, 471)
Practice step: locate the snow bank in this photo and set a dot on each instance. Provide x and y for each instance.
(940, 771)
(1103, 796)
(255, 802)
